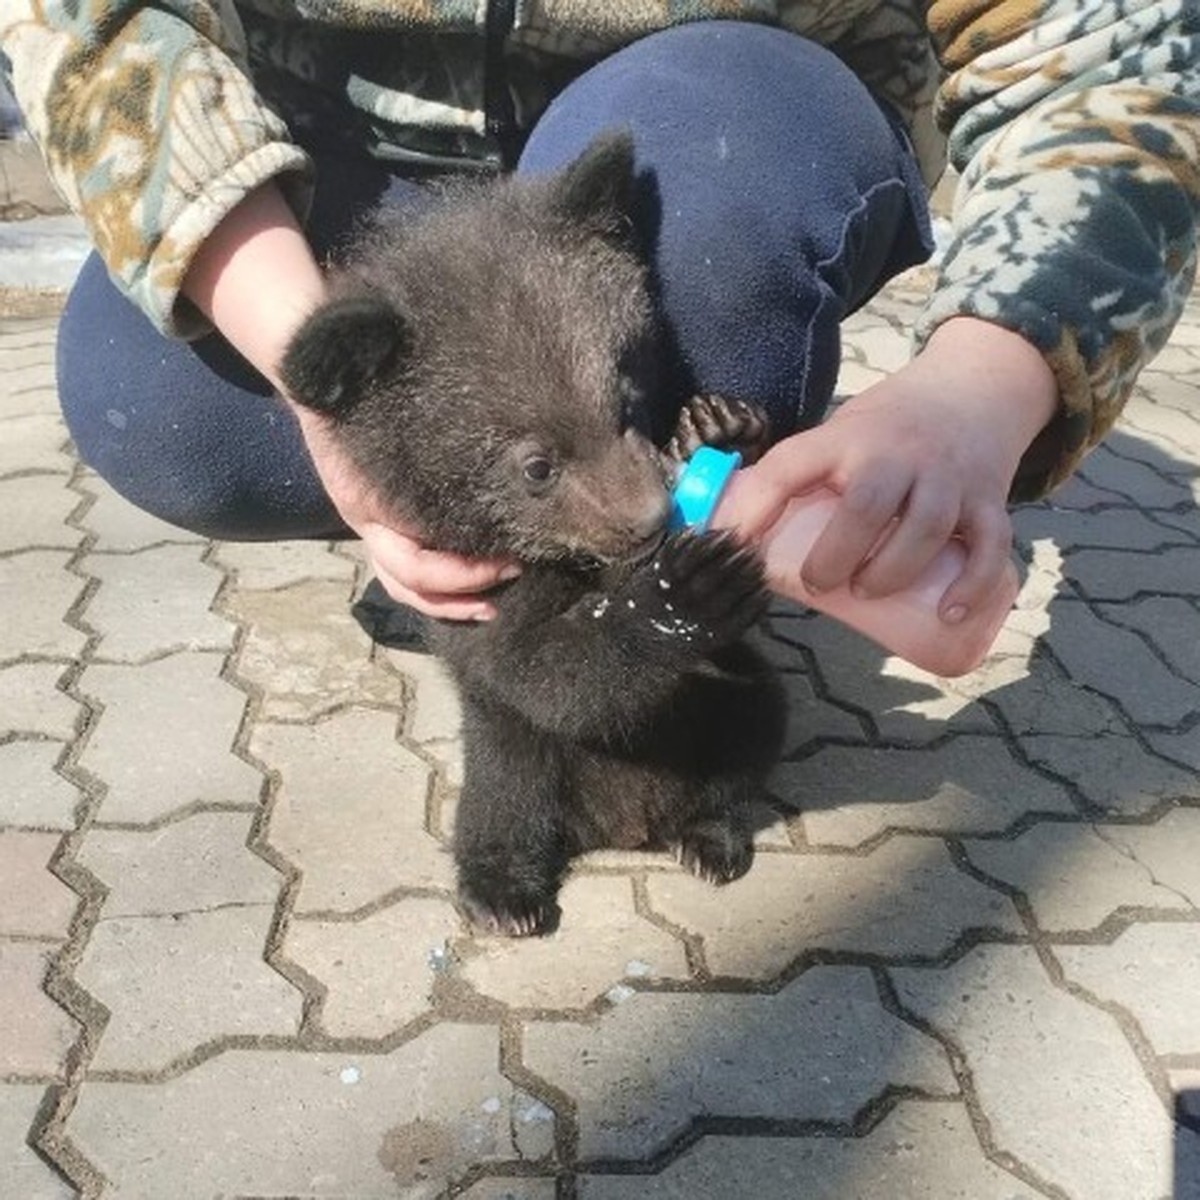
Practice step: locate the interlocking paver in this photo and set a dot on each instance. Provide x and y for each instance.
(1128, 671)
(35, 509)
(33, 794)
(377, 971)
(816, 1051)
(35, 1033)
(163, 740)
(1170, 623)
(1111, 529)
(511, 1189)
(36, 441)
(1153, 970)
(600, 934)
(1112, 770)
(175, 983)
(33, 903)
(304, 652)
(849, 794)
(433, 714)
(1063, 1091)
(1075, 876)
(31, 702)
(36, 590)
(919, 1151)
(154, 602)
(351, 810)
(118, 525)
(275, 1123)
(905, 899)
(1125, 574)
(1133, 480)
(259, 567)
(22, 1172)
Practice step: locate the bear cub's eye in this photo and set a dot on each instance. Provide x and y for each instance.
(539, 472)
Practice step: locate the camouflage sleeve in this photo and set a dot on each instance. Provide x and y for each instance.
(1077, 129)
(150, 128)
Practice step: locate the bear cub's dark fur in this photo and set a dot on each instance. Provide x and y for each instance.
(486, 364)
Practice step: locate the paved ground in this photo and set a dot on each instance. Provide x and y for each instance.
(965, 964)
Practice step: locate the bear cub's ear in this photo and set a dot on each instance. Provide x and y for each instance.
(340, 350)
(600, 182)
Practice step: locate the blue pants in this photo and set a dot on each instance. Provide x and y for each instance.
(784, 197)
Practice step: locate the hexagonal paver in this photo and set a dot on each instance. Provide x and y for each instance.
(35, 510)
(905, 899)
(153, 602)
(305, 653)
(274, 1123)
(1153, 970)
(1124, 574)
(601, 936)
(36, 590)
(1113, 529)
(1044, 700)
(1062, 1090)
(350, 812)
(1113, 771)
(511, 1189)
(1075, 876)
(919, 1151)
(175, 983)
(34, 794)
(1170, 624)
(30, 702)
(35, 1033)
(435, 714)
(1132, 480)
(119, 525)
(266, 566)
(33, 903)
(165, 737)
(34, 442)
(970, 784)
(818, 1050)
(24, 1174)
(376, 971)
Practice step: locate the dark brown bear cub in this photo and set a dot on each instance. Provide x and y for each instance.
(486, 364)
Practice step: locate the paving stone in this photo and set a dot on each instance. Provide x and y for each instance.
(24, 1174)
(35, 1033)
(172, 984)
(1078, 493)
(33, 903)
(1153, 970)
(1061, 1088)
(1170, 623)
(165, 736)
(28, 390)
(1112, 529)
(1118, 664)
(120, 525)
(305, 652)
(809, 718)
(1185, 1086)
(968, 785)
(1075, 876)
(919, 1151)
(906, 898)
(35, 510)
(378, 970)
(647, 1068)
(33, 794)
(1132, 479)
(511, 1189)
(36, 590)
(31, 704)
(1123, 574)
(601, 936)
(350, 811)
(1112, 770)
(1167, 390)
(154, 602)
(1183, 748)
(435, 713)
(274, 1123)
(199, 863)
(36, 442)
(1173, 431)
(264, 566)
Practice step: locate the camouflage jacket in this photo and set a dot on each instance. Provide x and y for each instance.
(1075, 123)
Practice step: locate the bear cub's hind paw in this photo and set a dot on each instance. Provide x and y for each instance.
(723, 422)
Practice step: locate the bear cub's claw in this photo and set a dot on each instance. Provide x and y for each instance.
(723, 422)
(496, 904)
(710, 580)
(717, 851)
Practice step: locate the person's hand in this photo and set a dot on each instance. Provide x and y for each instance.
(439, 584)
(923, 456)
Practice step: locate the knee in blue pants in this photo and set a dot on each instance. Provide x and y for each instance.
(779, 195)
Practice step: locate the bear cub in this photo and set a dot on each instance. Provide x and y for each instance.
(488, 364)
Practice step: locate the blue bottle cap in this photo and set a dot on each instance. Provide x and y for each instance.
(700, 485)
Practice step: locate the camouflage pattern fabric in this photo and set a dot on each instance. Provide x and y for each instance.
(1076, 126)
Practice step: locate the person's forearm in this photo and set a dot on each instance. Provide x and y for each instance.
(256, 278)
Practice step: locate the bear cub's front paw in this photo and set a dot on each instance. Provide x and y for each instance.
(707, 587)
(723, 422)
(497, 903)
